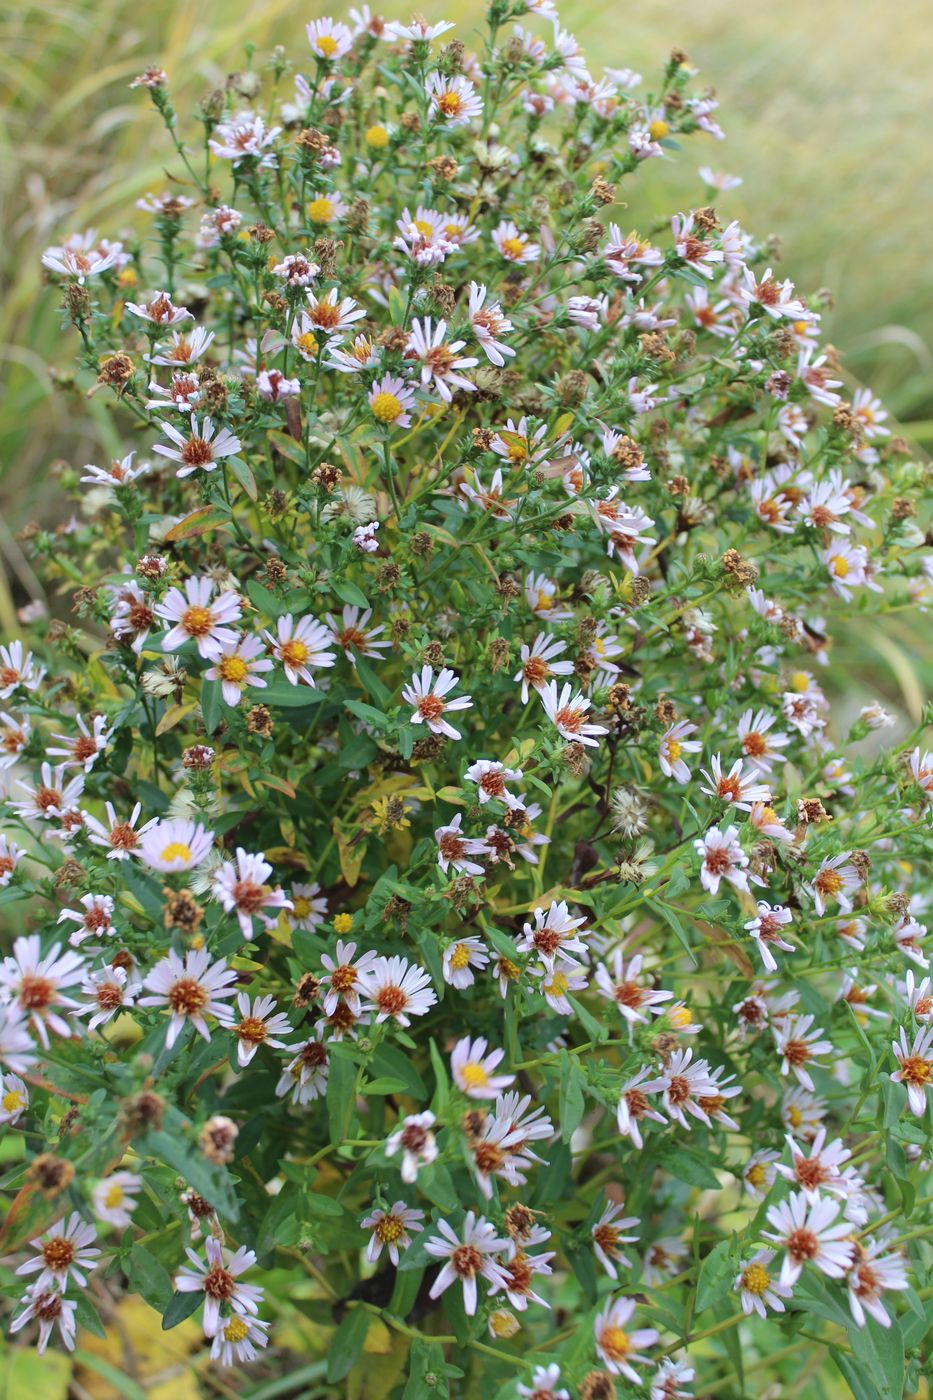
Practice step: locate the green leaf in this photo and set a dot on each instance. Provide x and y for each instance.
(348, 592)
(149, 1278)
(369, 713)
(347, 1343)
(572, 1101)
(182, 1305)
(340, 1082)
(86, 1315)
(211, 1182)
(244, 476)
(211, 701)
(716, 1274)
(282, 695)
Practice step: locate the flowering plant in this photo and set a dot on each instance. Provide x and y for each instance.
(454, 910)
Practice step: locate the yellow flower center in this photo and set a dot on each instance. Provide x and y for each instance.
(450, 103)
(474, 1075)
(681, 1016)
(794, 1116)
(756, 1279)
(233, 668)
(307, 343)
(115, 1196)
(197, 622)
(614, 1343)
(513, 247)
(236, 1330)
(326, 45)
(840, 566)
(755, 1176)
(13, 1101)
(293, 653)
(343, 923)
(321, 210)
(389, 1229)
(799, 681)
(658, 130)
(302, 907)
(378, 137)
(460, 957)
(557, 986)
(386, 408)
(673, 750)
(177, 850)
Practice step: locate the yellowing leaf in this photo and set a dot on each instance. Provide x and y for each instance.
(173, 715)
(351, 851)
(199, 522)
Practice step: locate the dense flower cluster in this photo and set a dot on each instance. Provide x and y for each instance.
(449, 870)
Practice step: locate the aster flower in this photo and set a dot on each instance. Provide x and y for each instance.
(619, 1350)
(515, 247)
(39, 985)
(390, 401)
(820, 1171)
(306, 1075)
(758, 1290)
(14, 1099)
(160, 310)
(460, 958)
(190, 988)
(10, 856)
(608, 1238)
(799, 1045)
(392, 1230)
(17, 1050)
(199, 617)
(567, 712)
(329, 39)
(759, 1173)
(836, 879)
(634, 1106)
(239, 664)
(553, 935)
(121, 839)
(736, 788)
(467, 1258)
(427, 696)
(539, 665)
(64, 1251)
(439, 360)
(174, 845)
(241, 888)
(51, 797)
(455, 849)
(50, 1309)
(765, 929)
(621, 984)
(18, 668)
(239, 1339)
(416, 1142)
(489, 324)
(346, 974)
(244, 137)
(217, 1276)
(722, 859)
(682, 1083)
(544, 1382)
(255, 1023)
(114, 1198)
(309, 907)
(353, 634)
(452, 101)
(106, 991)
(873, 1274)
(674, 744)
(914, 1067)
(299, 646)
(201, 450)
(472, 1069)
(397, 989)
(810, 1234)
